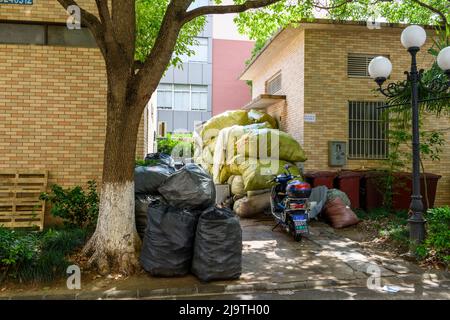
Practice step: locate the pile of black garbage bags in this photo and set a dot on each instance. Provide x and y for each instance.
(182, 229)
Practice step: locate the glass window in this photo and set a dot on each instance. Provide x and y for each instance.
(22, 33)
(200, 51)
(199, 98)
(61, 36)
(181, 97)
(164, 96)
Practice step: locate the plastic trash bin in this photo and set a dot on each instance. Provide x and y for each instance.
(371, 186)
(402, 189)
(432, 182)
(350, 183)
(321, 178)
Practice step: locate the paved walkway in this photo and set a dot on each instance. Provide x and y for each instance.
(274, 265)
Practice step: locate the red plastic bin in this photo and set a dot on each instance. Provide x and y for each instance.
(350, 182)
(402, 189)
(321, 178)
(372, 190)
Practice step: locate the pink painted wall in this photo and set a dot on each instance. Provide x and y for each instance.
(228, 92)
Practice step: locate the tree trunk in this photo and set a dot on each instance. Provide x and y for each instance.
(115, 244)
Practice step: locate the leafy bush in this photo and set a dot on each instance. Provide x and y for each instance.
(145, 163)
(181, 142)
(437, 243)
(77, 207)
(35, 257)
(16, 247)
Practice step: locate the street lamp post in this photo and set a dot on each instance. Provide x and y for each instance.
(412, 38)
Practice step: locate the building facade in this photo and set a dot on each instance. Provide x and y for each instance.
(53, 95)
(318, 72)
(231, 50)
(207, 83)
(184, 95)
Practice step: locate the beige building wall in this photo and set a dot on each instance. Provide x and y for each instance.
(322, 87)
(289, 61)
(42, 11)
(53, 104)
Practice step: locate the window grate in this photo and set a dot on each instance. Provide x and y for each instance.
(368, 131)
(274, 85)
(357, 64)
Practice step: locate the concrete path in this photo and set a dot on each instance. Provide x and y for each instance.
(323, 266)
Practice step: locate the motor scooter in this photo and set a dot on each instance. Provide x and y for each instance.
(290, 205)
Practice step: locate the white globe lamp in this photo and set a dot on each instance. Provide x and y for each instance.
(380, 69)
(413, 37)
(443, 60)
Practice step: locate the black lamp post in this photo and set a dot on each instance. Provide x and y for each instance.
(413, 37)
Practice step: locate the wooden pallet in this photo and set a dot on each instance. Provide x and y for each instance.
(20, 206)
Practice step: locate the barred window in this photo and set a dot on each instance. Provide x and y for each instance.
(368, 131)
(273, 85)
(357, 64)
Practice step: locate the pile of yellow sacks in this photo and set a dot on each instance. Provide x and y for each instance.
(245, 149)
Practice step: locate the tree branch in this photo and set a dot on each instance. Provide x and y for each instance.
(91, 22)
(324, 7)
(124, 26)
(219, 9)
(87, 18)
(151, 71)
(433, 9)
(103, 11)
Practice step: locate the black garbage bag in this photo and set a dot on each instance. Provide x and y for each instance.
(147, 180)
(169, 240)
(190, 187)
(141, 204)
(160, 158)
(218, 246)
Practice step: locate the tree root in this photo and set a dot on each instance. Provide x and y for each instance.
(107, 261)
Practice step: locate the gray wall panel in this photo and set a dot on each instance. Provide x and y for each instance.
(167, 116)
(195, 73)
(180, 120)
(207, 73)
(168, 76)
(181, 75)
(193, 117)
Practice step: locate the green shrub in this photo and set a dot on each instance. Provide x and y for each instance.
(437, 243)
(77, 207)
(145, 163)
(16, 247)
(33, 257)
(184, 141)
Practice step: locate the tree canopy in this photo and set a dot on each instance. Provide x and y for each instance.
(260, 24)
(150, 14)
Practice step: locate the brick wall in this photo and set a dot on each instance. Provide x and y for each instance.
(42, 10)
(290, 61)
(321, 86)
(53, 104)
(52, 111)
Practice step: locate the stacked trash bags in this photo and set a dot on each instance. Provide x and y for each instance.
(245, 149)
(185, 232)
